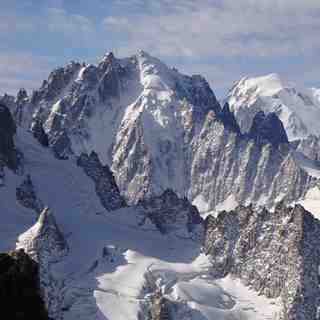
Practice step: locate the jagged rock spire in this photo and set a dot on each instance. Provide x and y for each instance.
(44, 241)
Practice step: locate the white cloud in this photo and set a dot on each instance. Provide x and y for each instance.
(22, 70)
(216, 38)
(221, 28)
(73, 25)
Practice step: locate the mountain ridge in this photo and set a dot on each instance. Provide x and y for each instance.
(148, 122)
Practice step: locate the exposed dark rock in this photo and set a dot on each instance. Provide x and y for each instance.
(61, 146)
(268, 129)
(168, 212)
(39, 133)
(56, 82)
(105, 185)
(109, 86)
(21, 103)
(277, 254)
(27, 196)
(228, 119)
(44, 242)
(8, 153)
(160, 308)
(20, 288)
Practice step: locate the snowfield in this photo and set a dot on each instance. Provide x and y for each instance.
(114, 264)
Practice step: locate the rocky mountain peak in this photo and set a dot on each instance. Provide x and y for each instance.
(44, 241)
(268, 129)
(22, 95)
(274, 253)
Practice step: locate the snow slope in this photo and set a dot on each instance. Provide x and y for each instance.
(113, 263)
(298, 108)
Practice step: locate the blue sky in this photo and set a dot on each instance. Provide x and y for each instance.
(220, 39)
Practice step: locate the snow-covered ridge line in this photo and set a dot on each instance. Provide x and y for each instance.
(298, 108)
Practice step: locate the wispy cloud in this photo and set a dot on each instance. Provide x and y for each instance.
(221, 39)
(77, 26)
(222, 28)
(22, 70)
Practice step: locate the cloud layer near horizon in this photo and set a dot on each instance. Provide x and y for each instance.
(222, 39)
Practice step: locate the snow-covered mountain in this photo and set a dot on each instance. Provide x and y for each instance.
(297, 108)
(98, 170)
(158, 129)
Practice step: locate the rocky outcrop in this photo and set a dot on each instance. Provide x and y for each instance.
(228, 119)
(8, 153)
(309, 146)
(160, 308)
(45, 243)
(105, 185)
(27, 197)
(169, 213)
(21, 104)
(268, 129)
(277, 254)
(19, 287)
(39, 133)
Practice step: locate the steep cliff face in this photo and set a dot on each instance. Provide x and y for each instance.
(268, 129)
(20, 290)
(226, 165)
(274, 253)
(104, 181)
(8, 153)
